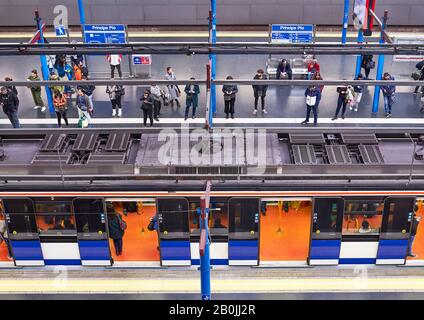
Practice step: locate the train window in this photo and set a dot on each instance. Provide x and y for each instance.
(194, 217)
(89, 215)
(362, 217)
(21, 213)
(327, 215)
(243, 213)
(398, 214)
(54, 217)
(174, 215)
(218, 222)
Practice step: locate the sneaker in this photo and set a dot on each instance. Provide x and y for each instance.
(255, 111)
(37, 107)
(334, 118)
(343, 117)
(388, 115)
(304, 122)
(43, 109)
(356, 109)
(119, 112)
(350, 108)
(264, 111)
(113, 112)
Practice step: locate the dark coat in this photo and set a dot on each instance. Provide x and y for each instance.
(260, 90)
(9, 102)
(281, 69)
(147, 105)
(358, 89)
(414, 226)
(316, 92)
(366, 59)
(192, 97)
(115, 231)
(87, 89)
(389, 90)
(230, 91)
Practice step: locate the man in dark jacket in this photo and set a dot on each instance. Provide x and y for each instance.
(115, 231)
(366, 64)
(341, 102)
(230, 91)
(147, 107)
(414, 228)
(284, 69)
(259, 91)
(88, 91)
(420, 67)
(12, 88)
(388, 94)
(192, 98)
(10, 103)
(313, 97)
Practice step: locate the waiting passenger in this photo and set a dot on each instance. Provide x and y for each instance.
(116, 232)
(318, 76)
(358, 94)
(313, 97)
(313, 67)
(60, 107)
(10, 103)
(414, 228)
(217, 223)
(157, 93)
(173, 90)
(11, 88)
(259, 91)
(420, 68)
(89, 92)
(147, 107)
(388, 94)
(115, 63)
(154, 226)
(55, 77)
(192, 98)
(367, 64)
(83, 106)
(115, 93)
(365, 227)
(36, 91)
(284, 70)
(230, 92)
(341, 102)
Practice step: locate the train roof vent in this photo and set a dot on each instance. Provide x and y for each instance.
(53, 142)
(337, 154)
(85, 142)
(306, 138)
(358, 138)
(304, 154)
(371, 154)
(117, 141)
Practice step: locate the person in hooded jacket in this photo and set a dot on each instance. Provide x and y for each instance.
(313, 97)
(10, 103)
(388, 94)
(230, 92)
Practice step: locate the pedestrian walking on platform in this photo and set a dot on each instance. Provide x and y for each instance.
(367, 64)
(147, 107)
(259, 91)
(9, 102)
(115, 63)
(192, 98)
(388, 94)
(173, 90)
(313, 97)
(60, 107)
(230, 92)
(36, 91)
(116, 227)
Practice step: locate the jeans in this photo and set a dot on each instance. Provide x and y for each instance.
(229, 106)
(60, 115)
(118, 243)
(157, 105)
(410, 243)
(388, 101)
(14, 120)
(112, 71)
(341, 102)
(308, 112)
(188, 105)
(262, 102)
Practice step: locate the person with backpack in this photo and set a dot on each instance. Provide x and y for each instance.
(313, 97)
(388, 94)
(230, 92)
(9, 102)
(116, 226)
(367, 64)
(192, 98)
(420, 68)
(259, 91)
(115, 93)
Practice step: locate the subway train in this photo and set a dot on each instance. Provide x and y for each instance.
(322, 196)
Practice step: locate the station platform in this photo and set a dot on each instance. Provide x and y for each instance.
(365, 282)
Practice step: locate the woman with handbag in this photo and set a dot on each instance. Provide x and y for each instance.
(230, 91)
(173, 90)
(367, 64)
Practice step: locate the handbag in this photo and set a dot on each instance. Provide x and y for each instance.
(416, 75)
(151, 225)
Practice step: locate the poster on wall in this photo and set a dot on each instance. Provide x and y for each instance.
(362, 18)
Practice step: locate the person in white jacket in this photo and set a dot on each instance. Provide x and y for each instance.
(115, 62)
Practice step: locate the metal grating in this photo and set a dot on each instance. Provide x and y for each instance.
(338, 154)
(306, 138)
(358, 138)
(117, 142)
(100, 158)
(53, 158)
(53, 142)
(371, 154)
(304, 154)
(85, 142)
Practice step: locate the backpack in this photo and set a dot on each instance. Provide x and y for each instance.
(122, 223)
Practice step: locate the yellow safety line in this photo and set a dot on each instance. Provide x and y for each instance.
(218, 285)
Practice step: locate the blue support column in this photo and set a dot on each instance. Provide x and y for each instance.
(44, 66)
(205, 265)
(212, 58)
(345, 21)
(81, 12)
(359, 58)
(380, 68)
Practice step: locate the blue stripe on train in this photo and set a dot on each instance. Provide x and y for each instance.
(27, 249)
(94, 249)
(175, 250)
(325, 249)
(357, 260)
(392, 249)
(243, 250)
(62, 262)
(216, 262)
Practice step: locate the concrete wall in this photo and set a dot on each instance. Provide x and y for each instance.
(195, 12)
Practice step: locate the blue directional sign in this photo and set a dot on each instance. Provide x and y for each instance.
(292, 33)
(60, 31)
(96, 33)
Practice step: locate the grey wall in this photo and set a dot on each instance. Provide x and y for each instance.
(195, 12)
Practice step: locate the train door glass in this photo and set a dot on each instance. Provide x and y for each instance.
(417, 228)
(243, 236)
(285, 229)
(5, 249)
(22, 231)
(92, 237)
(395, 230)
(326, 231)
(138, 243)
(174, 231)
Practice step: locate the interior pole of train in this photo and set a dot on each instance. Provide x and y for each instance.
(44, 67)
(204, 244)
(380, 64)
(212, 57)
(345, 21)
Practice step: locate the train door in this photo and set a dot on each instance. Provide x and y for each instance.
(174, 233)
(416, 239)
(139, 245)
(243, 236)
(285, 228)
(395, 230)
(326, 231)
(92, 234)
(6, 255)
(22, 231)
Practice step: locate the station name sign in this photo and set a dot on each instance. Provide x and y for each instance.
(291, 33)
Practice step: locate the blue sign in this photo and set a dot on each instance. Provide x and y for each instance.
(292, 33)
(60, 31)
(96, 33)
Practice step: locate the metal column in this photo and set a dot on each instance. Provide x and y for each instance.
(212, 57)
(345, 21)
